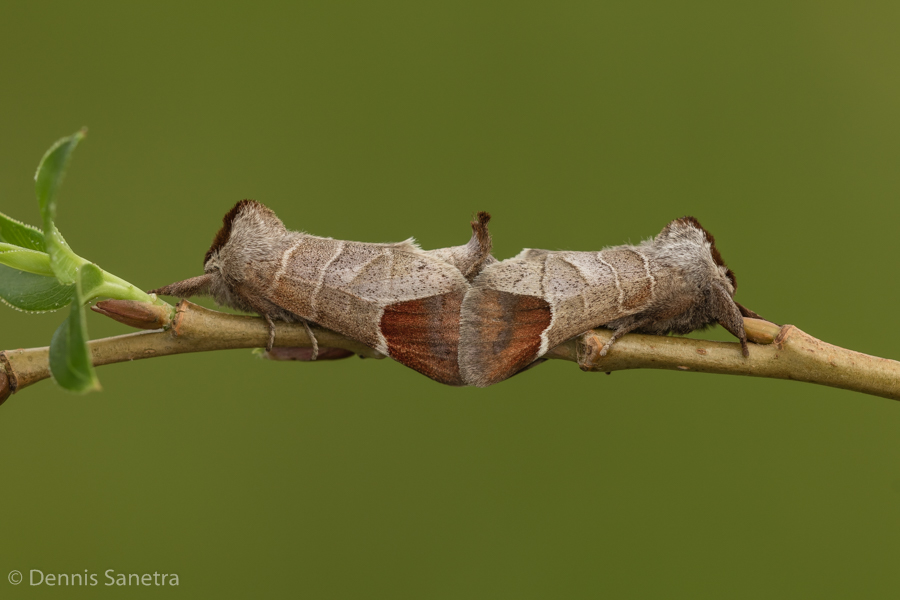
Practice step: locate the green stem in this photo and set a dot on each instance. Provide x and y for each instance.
(119, 289)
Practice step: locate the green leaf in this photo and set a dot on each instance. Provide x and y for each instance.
(48, 178)
(20, 234)
(64, 263)
(33, 293)
(19, 258)
(93, 281)
(70, 357)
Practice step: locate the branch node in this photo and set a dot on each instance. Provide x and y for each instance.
(9, 381)
(588, 349)
(5, 387)
(783, 334)
(181, 310)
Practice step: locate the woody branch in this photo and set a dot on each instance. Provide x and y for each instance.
(779, 352)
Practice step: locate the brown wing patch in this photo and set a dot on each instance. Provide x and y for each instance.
(423, 334)
(503, 334)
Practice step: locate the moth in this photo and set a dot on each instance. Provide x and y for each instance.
(519, 308)
(397, 298)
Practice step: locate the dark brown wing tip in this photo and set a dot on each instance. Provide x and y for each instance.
(480, 229)
(746, 312)
(225, 231)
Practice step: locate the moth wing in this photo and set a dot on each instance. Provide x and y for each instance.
(521, 307)
(393, 297)
(590, 289)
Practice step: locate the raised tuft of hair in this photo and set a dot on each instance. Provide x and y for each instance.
(407, 245)
(688, 221)
(225, 232)
(480, 229)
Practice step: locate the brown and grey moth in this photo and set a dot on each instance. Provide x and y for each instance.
(397, 298)
(519, 308)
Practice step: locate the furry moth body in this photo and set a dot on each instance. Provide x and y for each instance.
(397, 298)
(519, 308)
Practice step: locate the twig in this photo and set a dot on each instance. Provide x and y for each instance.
(193, 329)
(780, 352)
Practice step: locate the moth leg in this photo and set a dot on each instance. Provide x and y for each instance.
(312, 338)
(736, 329)
(623, 330)
(271, 343)
(195, 286)
(729, 317)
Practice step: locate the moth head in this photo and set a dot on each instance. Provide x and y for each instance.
(705, 276)
(687, 236)
(247, 230)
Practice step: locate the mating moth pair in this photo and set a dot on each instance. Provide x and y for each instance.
(458, 315)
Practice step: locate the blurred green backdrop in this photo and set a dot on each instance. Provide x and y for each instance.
(578, 125)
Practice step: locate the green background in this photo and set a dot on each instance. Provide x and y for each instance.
(577, 125)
